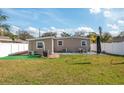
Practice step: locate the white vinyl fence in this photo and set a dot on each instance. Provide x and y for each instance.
(9, 48)
(112, 48)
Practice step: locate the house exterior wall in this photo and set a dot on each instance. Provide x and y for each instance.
(47, 43)
(71, 44)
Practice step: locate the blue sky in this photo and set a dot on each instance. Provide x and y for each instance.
(65, 19)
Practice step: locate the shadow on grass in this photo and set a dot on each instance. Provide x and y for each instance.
(80, 63)
(20, 57)
(33, 56)
(119, 63)
(113, 54)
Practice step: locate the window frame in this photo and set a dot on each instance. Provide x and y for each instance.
(37, 44)
(59, 41)
(85, 42)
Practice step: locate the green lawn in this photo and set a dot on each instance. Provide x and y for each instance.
(68, 69)
(19, 57)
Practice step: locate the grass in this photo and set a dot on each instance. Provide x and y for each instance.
(23, 57)
(68, 69)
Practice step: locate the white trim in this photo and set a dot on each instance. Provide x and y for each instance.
(59, 38)
(84, 41)
(40, 42)
(52, 47)
(62, 43)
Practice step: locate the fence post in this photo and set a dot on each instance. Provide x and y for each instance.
(23, 47)
(18, 47)
(11, 48)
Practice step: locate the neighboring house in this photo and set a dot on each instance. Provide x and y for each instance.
(6, 39)
(62, 44)
(118, 39)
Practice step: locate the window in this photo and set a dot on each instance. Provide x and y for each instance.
(60, 43)
(83, 43)
(39, 44)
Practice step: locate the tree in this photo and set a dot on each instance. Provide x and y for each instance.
(65, 34)
(49, 34)
(121, 34)
(100, 31)
(9, 34)
(13, 37)
(3, 26)
(92, 36)
(79, 34)
(23, 35)
(98, 45)
(106, 37)
(2, 16)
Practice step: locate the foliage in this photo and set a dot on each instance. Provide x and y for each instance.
(106, 37)
(92, 36)
(3, 26)
(13, 37)
(23, 35)
(121, 34)
(65, 34)
(9, 34)
(49, 34)
(79, 34)
(3, 17)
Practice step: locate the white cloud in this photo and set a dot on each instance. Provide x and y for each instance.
(52, 28)
(114, 33)
(35, 32)
(107, 13)
(113, 26)
(69, 30)
(57, 30)
(14, 29)
(121, 21)
(112, 19)
(95, 10)
(32, 30)
(85, 29)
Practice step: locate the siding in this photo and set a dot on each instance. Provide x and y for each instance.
(47, 42)
(72, 44)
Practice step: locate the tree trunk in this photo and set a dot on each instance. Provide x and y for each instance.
(98, 45)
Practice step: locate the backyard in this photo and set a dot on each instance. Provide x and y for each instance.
(68, 69)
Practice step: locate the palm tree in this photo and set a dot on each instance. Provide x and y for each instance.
(100, 31)
(106, 37)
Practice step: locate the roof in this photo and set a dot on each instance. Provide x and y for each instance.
(118, 39)
(5, 38)
(8, 39)
(58, 38)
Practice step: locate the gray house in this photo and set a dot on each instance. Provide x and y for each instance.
(57, 45)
